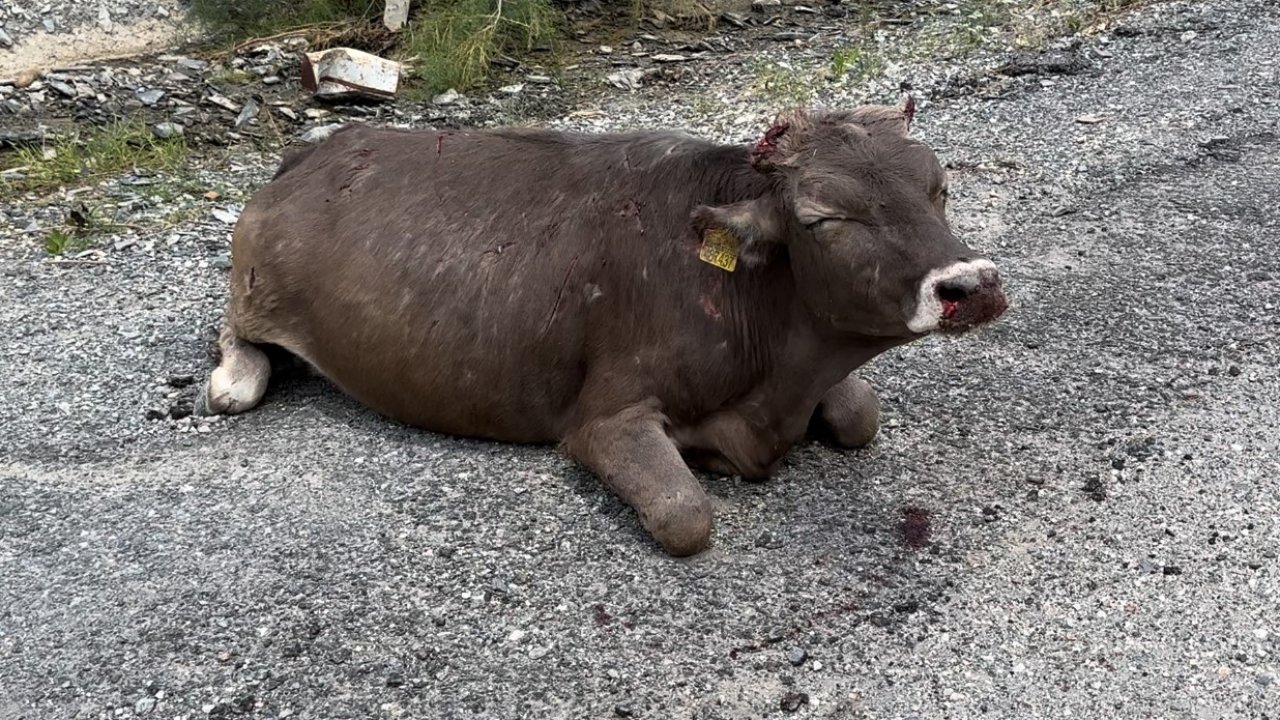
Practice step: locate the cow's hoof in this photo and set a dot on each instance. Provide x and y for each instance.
(853, 416)
(681, 524)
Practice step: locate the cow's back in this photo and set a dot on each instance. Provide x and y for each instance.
(449, 279)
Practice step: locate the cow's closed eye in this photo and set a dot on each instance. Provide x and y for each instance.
(831, 222)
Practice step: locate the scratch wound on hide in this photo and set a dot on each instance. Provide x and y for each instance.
(709, 307)
(253, 277)
(555, 308)
(439, 144)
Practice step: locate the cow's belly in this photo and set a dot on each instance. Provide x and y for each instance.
(470, 354)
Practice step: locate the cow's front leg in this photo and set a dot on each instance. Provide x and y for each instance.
(631, 452)
(851, 411)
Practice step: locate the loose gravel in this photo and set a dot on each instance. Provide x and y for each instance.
(1071, 514)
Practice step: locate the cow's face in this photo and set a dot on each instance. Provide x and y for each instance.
(861, 209)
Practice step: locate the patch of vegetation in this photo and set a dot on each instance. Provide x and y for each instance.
(62, 241)
(78, 232)
(446, 44)
(1043, 21)
(970, 25)
(687, 13)
(451, 43)
(856, 64)
(781, 84)
(234, 20)
(231, 76)
(87, 157)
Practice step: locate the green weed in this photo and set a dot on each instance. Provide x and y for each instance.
(856, 64)
(244, 19)
(451, 43)
(88, 157)
(61, 242)
(781, 84)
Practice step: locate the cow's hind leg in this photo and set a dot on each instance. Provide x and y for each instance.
(633, 455)
(851, 411)
(239, 381)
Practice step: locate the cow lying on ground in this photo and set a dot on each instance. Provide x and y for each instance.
(648, 300)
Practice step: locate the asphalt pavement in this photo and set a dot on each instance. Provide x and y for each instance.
(1071, 514)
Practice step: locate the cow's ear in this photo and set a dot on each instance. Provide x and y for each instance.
(756, 227)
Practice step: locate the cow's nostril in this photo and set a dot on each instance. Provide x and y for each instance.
(953, 291)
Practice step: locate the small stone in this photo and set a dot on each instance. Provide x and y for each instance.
(668, 58)
(1257, 276)
(223, 102)
(180, 381)
(271, 80)
(150, 97)
(511, 89)
(797, 656)
(448, 97)
(26, 78)
(249, 112)
(222, 262)
(318, 133)
(1062, 210)
(226, 215)
(768, 539)
(167, 130)
(193, 64)
(1089, 119)
(628, 79)
(1189, 35)
(906, 607)
(144, 706)
(316, 113)
(5, 40)
(1172, 570)
(792, 701)
(288, 112)
(1264, 679)
(62, 88)
(623, 710)
(49, 25)
(516, 636)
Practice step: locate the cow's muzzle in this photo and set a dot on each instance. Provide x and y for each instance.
(958, 297)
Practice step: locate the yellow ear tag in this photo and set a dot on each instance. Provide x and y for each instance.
(719, 248)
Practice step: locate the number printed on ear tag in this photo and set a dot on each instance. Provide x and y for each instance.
(719, 248)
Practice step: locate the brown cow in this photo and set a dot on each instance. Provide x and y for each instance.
(649, 300)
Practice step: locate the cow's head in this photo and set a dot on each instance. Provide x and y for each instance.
(861, 209)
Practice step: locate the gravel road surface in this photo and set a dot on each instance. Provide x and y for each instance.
(1072, 514)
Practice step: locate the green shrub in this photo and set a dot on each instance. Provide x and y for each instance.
(236, 20)
(452, 42)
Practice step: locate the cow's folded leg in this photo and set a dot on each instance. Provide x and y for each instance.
(631, 452)
(851, 411)
(239, 381)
